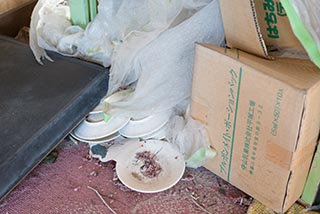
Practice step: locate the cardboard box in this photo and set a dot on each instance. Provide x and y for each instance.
(257, 26)
(262, 117)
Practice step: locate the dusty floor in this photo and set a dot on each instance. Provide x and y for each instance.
(61, 187)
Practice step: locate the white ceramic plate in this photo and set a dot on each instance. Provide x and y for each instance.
(170, 160)
(146, 126)
(159, 134)
(97, 141)
(96, 130)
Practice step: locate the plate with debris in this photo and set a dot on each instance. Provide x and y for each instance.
(150, 166)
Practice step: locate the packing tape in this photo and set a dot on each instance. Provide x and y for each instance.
(278, 155)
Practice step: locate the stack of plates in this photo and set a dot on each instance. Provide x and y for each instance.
(94, 130)
(151, 127)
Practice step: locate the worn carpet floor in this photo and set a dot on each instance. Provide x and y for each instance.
(62, 187)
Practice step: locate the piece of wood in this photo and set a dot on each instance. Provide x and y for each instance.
(15, 18)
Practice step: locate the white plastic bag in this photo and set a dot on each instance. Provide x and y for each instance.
(162, 75)
(51, 29)
(191, 139)
(163, 68)
(116, 23)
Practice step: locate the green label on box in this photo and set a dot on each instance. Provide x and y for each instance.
(272, 11)
(230, 120)
(251, 139)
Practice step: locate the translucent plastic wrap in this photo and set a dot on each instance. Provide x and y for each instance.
(191, 139)
(51, 29)
(162, 69)
(118, 24)
(304, 18)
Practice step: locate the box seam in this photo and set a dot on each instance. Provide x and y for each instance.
(255, 20)
(286, 192)
(295, 149)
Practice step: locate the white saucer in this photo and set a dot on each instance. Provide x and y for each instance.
(145, 126)
(96, 130)
(159, 134)
(97, 141)
(170, 160)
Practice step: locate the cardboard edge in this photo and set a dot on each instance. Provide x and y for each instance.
(234, 14)
(311, 147)
(302, 118)
(257, 26)
(295, 149)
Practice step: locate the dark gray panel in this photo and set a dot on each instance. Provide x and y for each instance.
(39, 105)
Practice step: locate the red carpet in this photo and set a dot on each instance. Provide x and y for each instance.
(61, 187)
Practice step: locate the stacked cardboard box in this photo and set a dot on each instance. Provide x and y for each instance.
(262, 115)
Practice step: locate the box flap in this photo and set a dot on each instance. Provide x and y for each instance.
(275, 27)
(299, 73)
(259, 27)
(241, 26)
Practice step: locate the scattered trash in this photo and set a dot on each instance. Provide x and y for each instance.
(151, 62)
(76, 189)
(103, 201)
(148, 163)
(98, 151)
(94, 173)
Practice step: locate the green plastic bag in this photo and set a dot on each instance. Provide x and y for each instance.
(304, 17)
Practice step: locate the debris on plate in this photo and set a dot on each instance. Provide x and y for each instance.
(149, 166)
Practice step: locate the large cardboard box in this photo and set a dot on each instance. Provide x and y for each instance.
(262, 117)
(258, 27)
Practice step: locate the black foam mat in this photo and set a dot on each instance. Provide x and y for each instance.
(39, 105)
